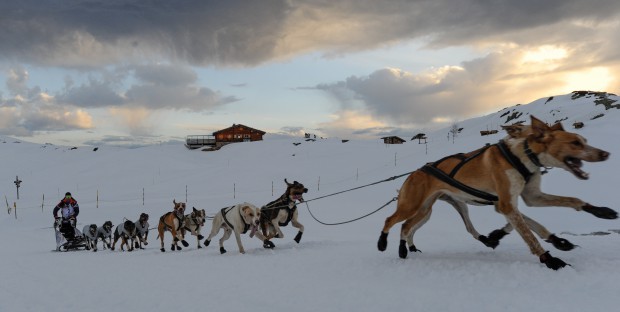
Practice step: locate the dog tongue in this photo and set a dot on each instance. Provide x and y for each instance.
(253, 231)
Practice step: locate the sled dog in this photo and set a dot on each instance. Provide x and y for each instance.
(282, 211)
(126, 232)
(142, 231)
(498, 174)
(173, 221)
(238, 219)
(194, 223)
(104, 233)
(90, 234)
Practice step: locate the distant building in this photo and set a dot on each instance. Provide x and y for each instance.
(238, 133)
(232, 134)
(393, 140)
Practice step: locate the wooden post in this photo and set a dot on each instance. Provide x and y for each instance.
(8, 209)
(15, 208)
(142, 196)
(186, 193)
(234, 190)
(97, 198)
(318, 186)
(43, 202)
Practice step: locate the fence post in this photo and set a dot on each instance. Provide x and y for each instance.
(97, 198)
(186, 193)
(318, 186)
(15, 208)
(43, 202)
(8, 209)
(142, 196)
(234, 190)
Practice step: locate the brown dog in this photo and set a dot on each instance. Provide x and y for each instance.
(173, 221)
(492, 240)
(282, 211)
(498, 174)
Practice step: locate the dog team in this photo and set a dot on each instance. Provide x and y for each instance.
(496, 174)
(264, 223)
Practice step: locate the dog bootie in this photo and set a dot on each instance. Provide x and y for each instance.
(552, 262)
(185, 244)
(402, 249)
(222, 250)
(298, 237)
(268, 244)
(207, 242)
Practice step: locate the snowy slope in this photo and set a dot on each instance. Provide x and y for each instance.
(334, 268)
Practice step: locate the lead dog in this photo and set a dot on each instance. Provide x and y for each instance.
(90, 234)
(173, 221)
(282, 211)
(498, 174)
(126, 232)
(194, 223)
(238, 219)
(104, 233)
(142, 231)
(515, 131)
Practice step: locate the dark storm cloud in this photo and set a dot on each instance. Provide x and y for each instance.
(249, 32)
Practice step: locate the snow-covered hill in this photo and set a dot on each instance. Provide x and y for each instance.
(334, 268)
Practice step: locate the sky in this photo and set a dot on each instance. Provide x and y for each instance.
(121, 72)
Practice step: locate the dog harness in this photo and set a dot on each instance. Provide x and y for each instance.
(176, 215)
(489, 199)
(275, 206)
(246, 226)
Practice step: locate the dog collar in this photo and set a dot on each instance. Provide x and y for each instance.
(530, 154)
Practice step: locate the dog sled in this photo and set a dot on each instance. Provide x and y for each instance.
(68, 237)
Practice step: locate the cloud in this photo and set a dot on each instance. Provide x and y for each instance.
(397, 98)
(85, 33)
(155, 87)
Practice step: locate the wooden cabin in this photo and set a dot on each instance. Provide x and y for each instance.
(393, 140)
(233, 134)
(578, 125)
(487, 132)
(238, 133)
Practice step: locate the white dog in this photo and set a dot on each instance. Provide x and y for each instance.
(239, 219)
(90, 234)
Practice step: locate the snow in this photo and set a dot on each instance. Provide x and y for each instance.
(334, 268)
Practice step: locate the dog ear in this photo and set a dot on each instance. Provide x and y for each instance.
(513, 131)
(174, 201)
(557, 127)
(287, 184)
(195, 210)
(540, 130)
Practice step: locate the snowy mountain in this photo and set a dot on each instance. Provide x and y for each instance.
(333, 268)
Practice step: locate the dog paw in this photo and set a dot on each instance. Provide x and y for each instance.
(207, 242)
(600, 212)
(402, 249)
(200, 237)
(185, 244)
(560, 243)
(162, 250)
(173, 247)
(199, 247)
(552, 262)
(382, 243)
(222, 250)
